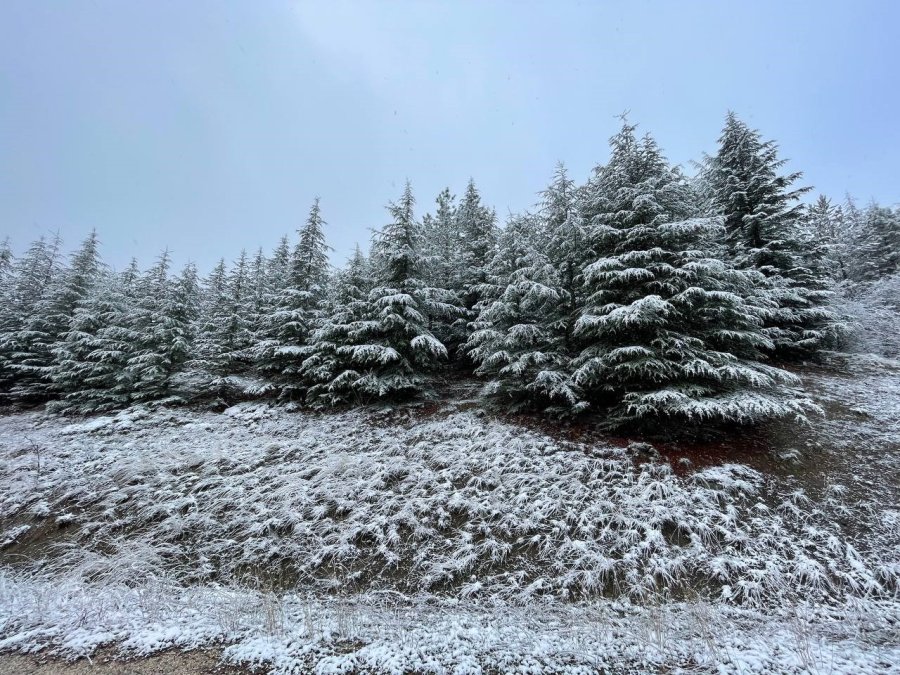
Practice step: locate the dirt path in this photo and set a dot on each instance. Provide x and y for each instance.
(171, 663)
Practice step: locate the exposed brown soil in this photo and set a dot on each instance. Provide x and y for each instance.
(104, 662)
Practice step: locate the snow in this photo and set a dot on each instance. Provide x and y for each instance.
(452, 542)
(295, 633)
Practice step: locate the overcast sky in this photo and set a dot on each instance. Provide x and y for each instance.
(210, 126)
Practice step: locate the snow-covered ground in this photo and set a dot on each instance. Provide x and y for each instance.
(449, 541)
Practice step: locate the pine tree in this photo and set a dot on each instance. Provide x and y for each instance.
(828, 236)
(49, 319)
(477, 231)
(442, 253)
(330, 370)
(524, 339)
(297, 312)
(28, 286)
(6, 266)
(666, 332)
(383, 344)
(224, 333)
(92, 354)
(876, 244)
(259, 291)
(763, 217)
(159, 328)
(441, 243)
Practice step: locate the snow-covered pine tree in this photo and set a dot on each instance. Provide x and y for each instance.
(159, 329)
(441, 243)
(32, 277)
(297, 312)
(523, 340)
(442, 254)
(667, 334)
(330, 370)
(6, 266)
(385, 354)
(256, 306)
(828, 234)
(476, 225)
(876, 244)
(223, 331)
(763, 217)
(49, 319)
(91, 356)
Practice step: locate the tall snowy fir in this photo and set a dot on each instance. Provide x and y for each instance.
(223, 332)
(477, 231)
(297, 310)
(523, 340)
(91, 356)
(667, 334)
(159, 326)
(49, 319)
(828, 235)
(875, 243)
(386, 352)
(29, 281)
(442, 252)
(763, 218)
(331, 370)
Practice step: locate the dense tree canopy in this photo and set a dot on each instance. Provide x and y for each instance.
(642, 295)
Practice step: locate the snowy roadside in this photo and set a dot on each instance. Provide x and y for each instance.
(295, 634)
(451, 542)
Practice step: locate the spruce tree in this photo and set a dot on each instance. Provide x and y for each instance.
(330, 370)
(383, 343)
(876, 244)
(763, 218)
(159, 327)
(6, 267)
(49, 319)
(476, 225)
(828, 236)
(223, 332)
(667, 334)
(297, 310)
(442, 254)
(524, 339)
(30, 281)
(92, 354)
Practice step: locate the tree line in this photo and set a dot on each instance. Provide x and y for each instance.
(642, 294)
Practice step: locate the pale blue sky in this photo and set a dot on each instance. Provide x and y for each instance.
(210, 126)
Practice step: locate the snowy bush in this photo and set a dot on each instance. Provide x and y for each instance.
(457, 505)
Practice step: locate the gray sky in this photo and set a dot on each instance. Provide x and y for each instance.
(210, 126)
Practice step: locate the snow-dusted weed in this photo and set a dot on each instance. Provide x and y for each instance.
(355, 542)
(455, 505)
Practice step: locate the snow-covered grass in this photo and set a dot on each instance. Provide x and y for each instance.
(455, 504)
(448, 541)
(374, 633)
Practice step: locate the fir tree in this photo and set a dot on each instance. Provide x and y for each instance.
(828, 237)
(665, 330)
(523, 339)
(763, 217)
(442, 254)
(223, 330)
(297, 311)
(49, 319)
(477, 232)
(331, 370)
(383, 344)
(876, 244)
(159, 327)
(92, 354)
